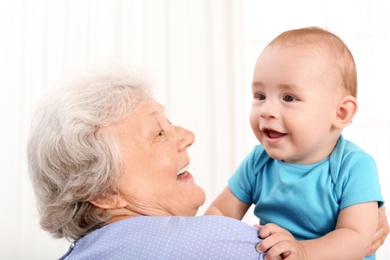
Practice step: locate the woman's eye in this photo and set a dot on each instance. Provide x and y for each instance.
(161, 133)
(288, 98)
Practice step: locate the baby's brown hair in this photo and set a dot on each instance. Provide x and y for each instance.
(331, 47)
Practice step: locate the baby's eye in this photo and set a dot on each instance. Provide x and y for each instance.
(289, 98)
(260, 96)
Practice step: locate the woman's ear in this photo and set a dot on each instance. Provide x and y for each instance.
(112, 201)
(346, 111)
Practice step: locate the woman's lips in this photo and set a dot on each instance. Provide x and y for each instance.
(183, 176)
(183, 173)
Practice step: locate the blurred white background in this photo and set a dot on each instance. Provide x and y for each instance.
(201, 55)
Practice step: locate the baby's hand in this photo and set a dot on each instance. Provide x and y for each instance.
(278, 243)
(381, 233)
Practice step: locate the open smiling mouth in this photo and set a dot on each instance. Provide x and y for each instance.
(273, 134)
(183, 171)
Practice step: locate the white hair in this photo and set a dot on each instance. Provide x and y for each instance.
(70, 162)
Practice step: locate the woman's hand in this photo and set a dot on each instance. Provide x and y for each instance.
(381, 232)
(279, 243)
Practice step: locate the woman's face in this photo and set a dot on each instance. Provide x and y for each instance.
(154, 154)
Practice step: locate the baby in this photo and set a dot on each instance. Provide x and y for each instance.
(316, 194)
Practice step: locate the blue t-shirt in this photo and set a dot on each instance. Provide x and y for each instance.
(306, 199)
(203, 237)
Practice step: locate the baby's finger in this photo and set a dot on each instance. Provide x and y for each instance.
(258, 226)
(269, 229)
(282, 249)
(269, 242)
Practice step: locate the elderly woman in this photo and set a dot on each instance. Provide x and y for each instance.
(110, 172)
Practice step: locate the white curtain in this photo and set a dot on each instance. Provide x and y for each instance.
(200, 54)
(193, 49)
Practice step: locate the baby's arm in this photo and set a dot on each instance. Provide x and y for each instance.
(227, 204)
(351, 239)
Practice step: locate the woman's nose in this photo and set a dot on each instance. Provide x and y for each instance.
(185, 138)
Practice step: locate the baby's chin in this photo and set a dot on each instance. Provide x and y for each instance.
(282, 158)
(275, 155)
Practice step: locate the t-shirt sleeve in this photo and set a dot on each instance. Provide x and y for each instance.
(359, 180)
(243, 181)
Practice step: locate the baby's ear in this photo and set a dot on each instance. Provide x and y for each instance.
(346, 111)
(112, 201)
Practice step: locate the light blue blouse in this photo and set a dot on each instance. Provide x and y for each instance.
(203, 237)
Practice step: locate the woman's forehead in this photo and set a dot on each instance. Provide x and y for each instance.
(145, 111)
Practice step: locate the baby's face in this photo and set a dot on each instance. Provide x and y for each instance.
(295, 104)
